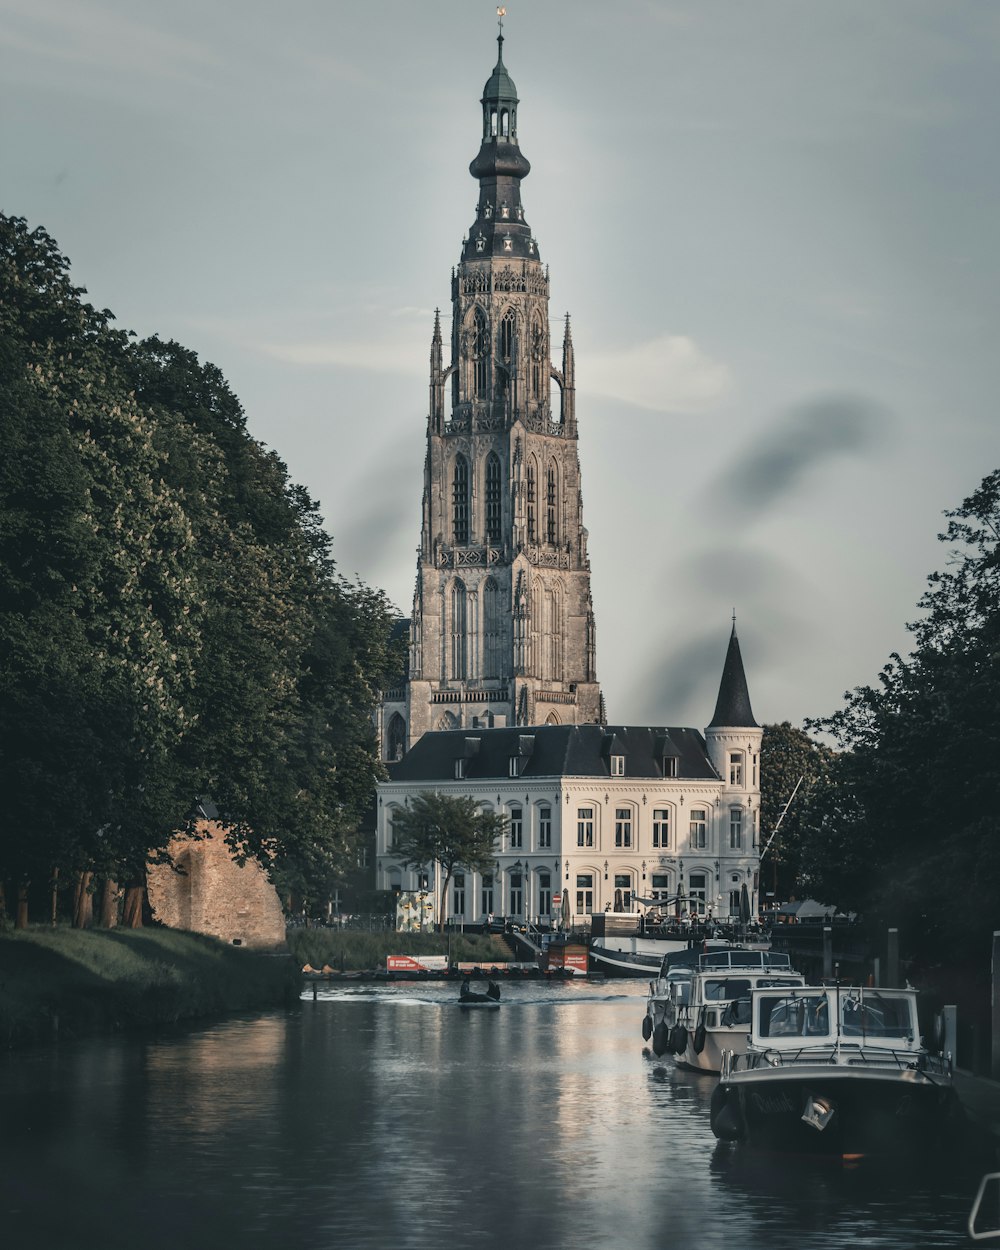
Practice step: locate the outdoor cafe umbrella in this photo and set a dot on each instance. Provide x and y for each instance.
(564, 911)
(744, 904)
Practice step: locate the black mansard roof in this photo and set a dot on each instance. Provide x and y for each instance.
(556, 751)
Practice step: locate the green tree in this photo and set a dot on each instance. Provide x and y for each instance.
(789, 758)
(452, 831)
(923, 756)
(172, 625)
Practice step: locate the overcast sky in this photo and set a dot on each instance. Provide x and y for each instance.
(774, 222)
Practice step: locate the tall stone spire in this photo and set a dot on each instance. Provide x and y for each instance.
(502, 630)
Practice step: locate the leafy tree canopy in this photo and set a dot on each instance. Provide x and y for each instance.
(913, 802)
(173, 625)
(450, 830)
(791, 764)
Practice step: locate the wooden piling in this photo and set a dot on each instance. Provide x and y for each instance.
(892, 960)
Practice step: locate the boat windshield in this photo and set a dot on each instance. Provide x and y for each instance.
(794, 1016)
(865, 1014)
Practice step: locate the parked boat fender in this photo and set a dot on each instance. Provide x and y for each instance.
(647, 1028)
(725, 1115)
(661, 1039)
(678, 1039)
(700, 1034)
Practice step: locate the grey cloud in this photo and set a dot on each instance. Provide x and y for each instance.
(801, 440)
(682, 683)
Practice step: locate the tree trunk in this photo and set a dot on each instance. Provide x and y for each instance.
(444, 902)
(132, 910)
(21, 922)
(83, 901)
(109, 903)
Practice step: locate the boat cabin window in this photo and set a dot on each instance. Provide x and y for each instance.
(736, 1013)
(794, 1017)
(875, 1015)
(721, 991)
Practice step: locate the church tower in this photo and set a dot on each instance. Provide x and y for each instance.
(502, 630)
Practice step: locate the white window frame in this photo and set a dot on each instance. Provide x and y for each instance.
(661, 828)
(516, 827)
(545, 828)
(585, 826)
(618, 766)
(698, 836)
(624, 821)
(736, 828)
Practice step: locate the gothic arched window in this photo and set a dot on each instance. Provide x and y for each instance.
(506, 348)
(491, 629)
(459, 654)
(480, 355)
(395, 738)
(460, 502)
(537, 358)
(507, 337)
(531, 498)
(493, 497)
(552, 644)
(551, 505)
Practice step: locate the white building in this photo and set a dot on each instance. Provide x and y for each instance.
(607, 814)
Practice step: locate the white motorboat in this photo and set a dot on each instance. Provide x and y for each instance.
(696, 1013)
(835, 1070)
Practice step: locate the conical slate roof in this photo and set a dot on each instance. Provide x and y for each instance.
(732, 708)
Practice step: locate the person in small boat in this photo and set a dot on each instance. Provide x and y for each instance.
(493, 991)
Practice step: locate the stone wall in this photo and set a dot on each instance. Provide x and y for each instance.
(212, 894)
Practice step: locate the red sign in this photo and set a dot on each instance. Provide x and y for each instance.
(556, 900)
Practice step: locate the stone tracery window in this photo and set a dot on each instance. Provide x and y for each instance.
(531, 495)
(480, 355)
(460, 502)
(459, 653)
(491, 629)
(493, 498)
(551, 505)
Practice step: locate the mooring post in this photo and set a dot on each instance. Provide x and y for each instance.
(892, 960)
(995, 1002)
(827, 952)
(950, 1016)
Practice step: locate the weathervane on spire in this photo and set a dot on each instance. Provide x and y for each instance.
(501, 14)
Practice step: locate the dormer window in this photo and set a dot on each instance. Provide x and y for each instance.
(460, 769)
(618, 766)
(515, 764)
(670, 766)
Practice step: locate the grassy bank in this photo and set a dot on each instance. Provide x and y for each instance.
(69, 982)
(360, 952)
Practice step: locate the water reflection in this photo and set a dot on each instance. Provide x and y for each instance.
(392, 1117)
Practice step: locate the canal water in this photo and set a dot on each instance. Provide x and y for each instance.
(391, 1117)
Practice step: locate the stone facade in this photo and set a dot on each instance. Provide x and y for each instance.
(213, 894)
(502, 629)
(617, 817)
